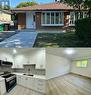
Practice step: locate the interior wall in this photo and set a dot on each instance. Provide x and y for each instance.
(56, 66)
(81, 71)
(6, 57)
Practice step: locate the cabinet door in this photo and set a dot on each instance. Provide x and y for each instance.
(25, 81)
(40, 85)
(2, 87)
(19, 80)
(30, 82)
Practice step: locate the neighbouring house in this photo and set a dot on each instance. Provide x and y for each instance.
(5, 20)
(47, 16)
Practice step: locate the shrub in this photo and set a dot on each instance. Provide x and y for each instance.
(83, 29)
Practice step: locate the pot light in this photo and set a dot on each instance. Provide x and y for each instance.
(14, 51)
(69, 51)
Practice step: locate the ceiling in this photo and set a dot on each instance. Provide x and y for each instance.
(79, 52)
(19, 50)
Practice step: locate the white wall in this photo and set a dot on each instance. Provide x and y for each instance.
(81, 71)
(56, 66)
(33, 57)
(6, 56)
(19, 60)
(37, 58)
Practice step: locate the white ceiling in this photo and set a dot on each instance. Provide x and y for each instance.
(19, 50)
(79, 52)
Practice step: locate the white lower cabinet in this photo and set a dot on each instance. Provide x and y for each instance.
(2, 87)
(40, 85)
(32, 83)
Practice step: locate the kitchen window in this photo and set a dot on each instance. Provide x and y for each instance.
(52, 19)
(82, 63)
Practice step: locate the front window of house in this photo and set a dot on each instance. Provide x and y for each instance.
(52, 18)
(48, 18)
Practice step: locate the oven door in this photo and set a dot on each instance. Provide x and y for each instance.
(10, 84)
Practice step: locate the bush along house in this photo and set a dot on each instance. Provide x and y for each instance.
(5, 20)
(47, 16)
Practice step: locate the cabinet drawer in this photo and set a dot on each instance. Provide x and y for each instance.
(40, 89)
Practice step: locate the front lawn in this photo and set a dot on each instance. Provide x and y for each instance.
(58, 40)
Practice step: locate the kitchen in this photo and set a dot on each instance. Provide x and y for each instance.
(22, 71)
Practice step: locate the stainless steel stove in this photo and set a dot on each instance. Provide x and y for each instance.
(10, 80)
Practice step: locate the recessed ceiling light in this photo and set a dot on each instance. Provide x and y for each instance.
(69, 51)
(14, 51)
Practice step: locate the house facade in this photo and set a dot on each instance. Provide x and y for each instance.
(47, 16)
(5, 19)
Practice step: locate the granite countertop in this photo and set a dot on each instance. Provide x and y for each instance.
(34, 76)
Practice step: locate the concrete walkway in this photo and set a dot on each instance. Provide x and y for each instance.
(20, 40)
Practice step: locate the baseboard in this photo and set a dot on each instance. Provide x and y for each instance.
(57, 76)
(80, 75)
(67, 74)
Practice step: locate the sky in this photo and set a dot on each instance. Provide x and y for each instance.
(13, 3)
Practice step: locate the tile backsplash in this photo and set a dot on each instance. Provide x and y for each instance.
(30, 69)
(4, 69)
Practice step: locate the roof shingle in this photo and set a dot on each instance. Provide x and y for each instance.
(50, 6)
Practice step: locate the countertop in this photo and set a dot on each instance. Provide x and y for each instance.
(35, 76)
(1, 79)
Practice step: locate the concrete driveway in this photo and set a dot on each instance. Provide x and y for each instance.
(20, 40)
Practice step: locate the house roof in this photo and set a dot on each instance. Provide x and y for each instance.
(6, 11)
(50, 6)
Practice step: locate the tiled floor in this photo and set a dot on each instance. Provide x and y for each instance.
(22, 39)
(19, 90)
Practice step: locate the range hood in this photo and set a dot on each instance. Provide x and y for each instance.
(5, 63)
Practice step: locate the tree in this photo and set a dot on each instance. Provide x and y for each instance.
(25, 4)
(6, 7)
(88, 5)
(79, 4)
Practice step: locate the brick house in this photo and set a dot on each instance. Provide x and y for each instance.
(47, 16)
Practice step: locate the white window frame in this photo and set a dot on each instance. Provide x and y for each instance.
(62, 24)
(70, 24)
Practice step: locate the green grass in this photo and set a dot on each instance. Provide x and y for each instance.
(58, 40)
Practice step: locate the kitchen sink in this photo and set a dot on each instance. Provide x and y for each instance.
(28, 75)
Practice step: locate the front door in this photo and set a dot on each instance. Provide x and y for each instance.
(30, 20)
